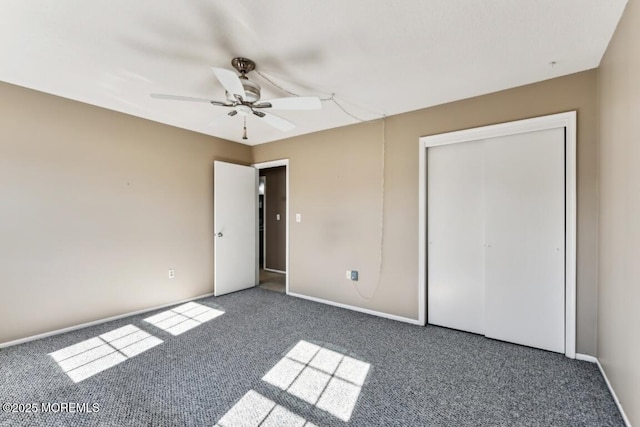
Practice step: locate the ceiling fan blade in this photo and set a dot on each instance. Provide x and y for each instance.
(275, 121)
(221, 118)
(178, 98)
(188, 98)
(292, 103)
(230, 81)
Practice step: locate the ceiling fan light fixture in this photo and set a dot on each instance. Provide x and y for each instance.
(243, 110)
(251, 89)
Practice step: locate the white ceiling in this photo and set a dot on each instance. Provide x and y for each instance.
(379, 57)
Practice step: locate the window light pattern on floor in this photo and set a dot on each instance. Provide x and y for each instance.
(87, 358)
(325, 378)
(256, 410)
(183, 318)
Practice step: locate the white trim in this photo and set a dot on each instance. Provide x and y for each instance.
(256, 278)
(586, 358)
(501, 129)
(97, 322)
(264, 213)
(566, 120)
(422, 235)
(613, 393)
(274, 270)
(571, 185)
(358, 309)
(287, 227)
(264, 224)
(592, 359)
(272, 164)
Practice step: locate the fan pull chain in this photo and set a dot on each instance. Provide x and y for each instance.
(244, 133)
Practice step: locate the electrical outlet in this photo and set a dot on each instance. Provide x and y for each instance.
(348, 275)
(172, 273)
(354, 275)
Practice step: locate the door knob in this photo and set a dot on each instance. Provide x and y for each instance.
(219, 234)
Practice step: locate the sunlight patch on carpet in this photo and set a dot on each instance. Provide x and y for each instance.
(87, 358)
(183, 318)
(253, 410)
(322, 377)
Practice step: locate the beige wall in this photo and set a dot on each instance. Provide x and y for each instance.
(336, 184)
(95, 207)
(619, 258)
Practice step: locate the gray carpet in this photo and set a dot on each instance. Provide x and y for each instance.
(374, 372)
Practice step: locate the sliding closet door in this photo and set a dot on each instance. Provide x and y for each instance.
(525, 238)
(455, 225)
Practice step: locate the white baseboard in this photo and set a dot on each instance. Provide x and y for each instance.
(274, 270)
(586, 358)
(359, 309)
(96, 322)
(595, 360)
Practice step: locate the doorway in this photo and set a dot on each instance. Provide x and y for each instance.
(273, 225)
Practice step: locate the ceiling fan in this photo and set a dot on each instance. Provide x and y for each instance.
(243, 97)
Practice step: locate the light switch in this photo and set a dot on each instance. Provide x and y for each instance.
(277, 217)
(298, 217)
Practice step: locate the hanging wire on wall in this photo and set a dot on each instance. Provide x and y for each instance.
(381, 257)
(331, 98)
(383, 118)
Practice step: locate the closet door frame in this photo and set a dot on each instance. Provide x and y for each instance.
(562, 120)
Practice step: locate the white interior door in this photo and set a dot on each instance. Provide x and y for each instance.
(525, 238)
(455, 223)
(235, 218)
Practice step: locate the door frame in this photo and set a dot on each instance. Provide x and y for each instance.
(267, 165)
(565, 120)
(262, 218)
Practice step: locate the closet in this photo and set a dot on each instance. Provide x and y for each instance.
(496, 237)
